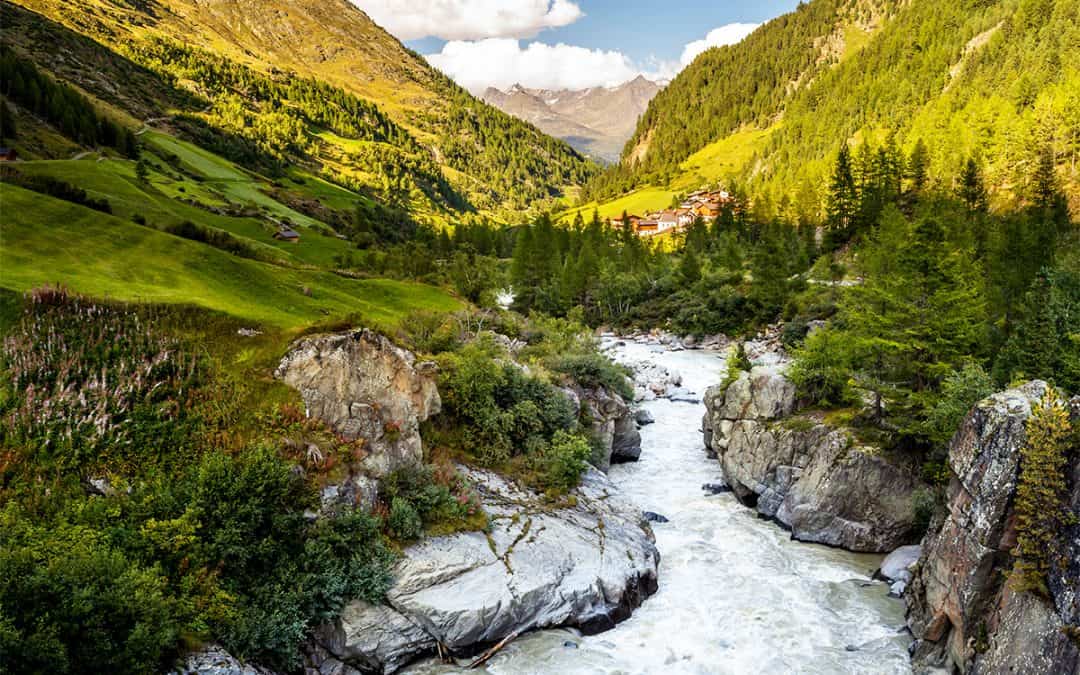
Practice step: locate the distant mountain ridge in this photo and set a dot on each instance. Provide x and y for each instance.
(596, 121)
(441, 134)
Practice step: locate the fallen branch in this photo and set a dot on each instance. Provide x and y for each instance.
(483, 658)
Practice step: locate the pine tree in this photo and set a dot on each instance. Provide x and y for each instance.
(917, 315)
(843, 200)
(142, 170)
(971, 190)
(690, 267)
(1041, 506)
(917, 166)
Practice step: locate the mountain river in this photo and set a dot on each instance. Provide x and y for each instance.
(737, 595)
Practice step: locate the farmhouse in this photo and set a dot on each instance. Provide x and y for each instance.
(287, 234)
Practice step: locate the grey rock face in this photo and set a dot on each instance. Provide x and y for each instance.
(364, 386)
(611, 421)
(588, 566)
(811, 478)
(963, 614)
(213, 660)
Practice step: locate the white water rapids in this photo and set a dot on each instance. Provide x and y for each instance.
(736, 594)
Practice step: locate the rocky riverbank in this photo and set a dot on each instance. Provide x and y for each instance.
(586, 564)
(964, 613)
(815, 480)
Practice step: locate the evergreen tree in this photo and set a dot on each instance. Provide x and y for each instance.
(142, 170)
(690, 266)
(917, 166)
(917, 315)
(971, 190)
(1045, 342)
(843, 200)
(1041, 497)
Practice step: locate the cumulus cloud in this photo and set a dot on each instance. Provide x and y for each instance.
(502, 62)
(729, 34)
(469, 19)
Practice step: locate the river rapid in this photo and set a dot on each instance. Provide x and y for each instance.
(736, 595)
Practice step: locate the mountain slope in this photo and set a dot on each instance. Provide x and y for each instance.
(597, 121)
(994, 80)
(493, 161)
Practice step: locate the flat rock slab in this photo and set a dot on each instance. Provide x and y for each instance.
(587, 565)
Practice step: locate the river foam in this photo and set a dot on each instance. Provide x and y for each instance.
(737, 595)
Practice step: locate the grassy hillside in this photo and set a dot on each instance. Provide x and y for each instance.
(303, 81)
(46, 241)
(992, 80)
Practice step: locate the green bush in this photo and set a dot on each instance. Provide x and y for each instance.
(70, 602)
(495, 409)
(592, 370)
(404, 522)
(564, 461)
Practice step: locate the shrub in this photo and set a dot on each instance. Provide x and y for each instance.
(54, 188)
(923, 507)
(70, 602)
(216, 238)
(592, 370)
(564, 461)
(497, 410)
(404, 522)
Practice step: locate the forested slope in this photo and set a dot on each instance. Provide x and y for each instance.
(996, 80)
(273, 71)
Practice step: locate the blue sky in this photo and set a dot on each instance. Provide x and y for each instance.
(644, 30)
(571, 43)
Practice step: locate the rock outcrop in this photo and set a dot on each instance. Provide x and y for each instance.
(363, 386)
(586, 565)
(811, 478)
(963, 613)
(214, 660)
(610, 421)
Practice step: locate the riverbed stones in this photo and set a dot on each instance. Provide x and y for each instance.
(586, 565)
(813, 479)
(363, 386)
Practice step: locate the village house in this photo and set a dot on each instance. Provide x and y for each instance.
(667, 220)
(287, 234)
(647, 228)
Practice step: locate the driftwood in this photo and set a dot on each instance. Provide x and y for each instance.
(445, 655)
(483, 658)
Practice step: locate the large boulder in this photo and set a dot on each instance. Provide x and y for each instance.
(961, 610)
(610, 421)
(813, 479)
(363, 386)
(586, 565)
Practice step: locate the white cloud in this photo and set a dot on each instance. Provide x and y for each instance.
(729, 34)
(469, 19)
(501, 62)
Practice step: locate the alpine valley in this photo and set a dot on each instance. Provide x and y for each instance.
(311, 361)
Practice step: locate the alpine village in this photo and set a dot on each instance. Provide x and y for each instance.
(312, 361)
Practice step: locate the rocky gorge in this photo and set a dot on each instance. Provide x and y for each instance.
(550, 577)
(585, 564)
(964, 612)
